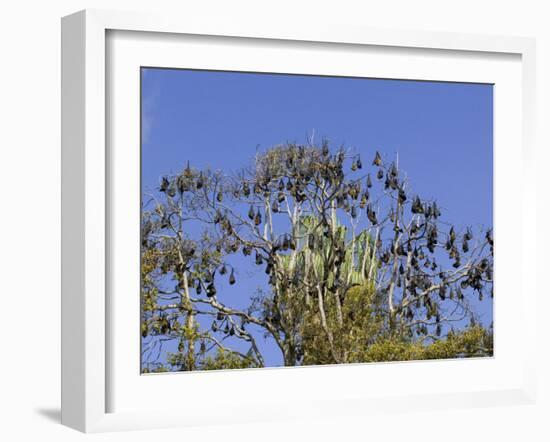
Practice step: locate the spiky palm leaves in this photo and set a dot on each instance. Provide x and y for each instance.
(314, 282)
(342, 261)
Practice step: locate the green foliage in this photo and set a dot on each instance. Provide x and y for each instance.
(224, 359)
(474, 341)
(360, 324)
(157, 368)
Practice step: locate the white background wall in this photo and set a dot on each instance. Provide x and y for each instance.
(30, 215)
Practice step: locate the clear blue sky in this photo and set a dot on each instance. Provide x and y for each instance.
(443, 133)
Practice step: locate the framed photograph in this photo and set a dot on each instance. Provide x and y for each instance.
(264, 222)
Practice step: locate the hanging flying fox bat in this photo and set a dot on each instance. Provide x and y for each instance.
(377, 159)
(164, 184)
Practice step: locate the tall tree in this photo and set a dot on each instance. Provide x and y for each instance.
(357, 267)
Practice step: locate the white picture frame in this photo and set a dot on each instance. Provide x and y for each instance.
(86, 315)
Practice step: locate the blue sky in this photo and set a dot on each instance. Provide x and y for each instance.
(442, 132)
